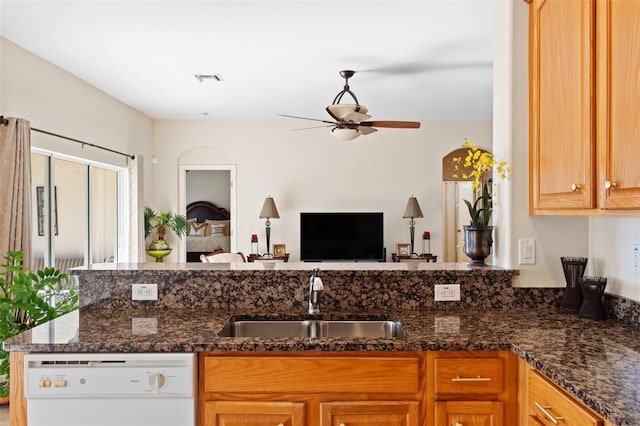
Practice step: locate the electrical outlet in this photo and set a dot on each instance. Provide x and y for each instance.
(144, 292)
(635, 259)
(446, 292)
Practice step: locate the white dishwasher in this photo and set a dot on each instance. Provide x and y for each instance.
(155, 389)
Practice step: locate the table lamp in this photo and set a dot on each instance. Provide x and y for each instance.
(411, 212)
(269, 211)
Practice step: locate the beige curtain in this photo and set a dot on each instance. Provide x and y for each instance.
(15, 188)
(136, 220)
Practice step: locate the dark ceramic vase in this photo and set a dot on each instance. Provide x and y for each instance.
(477, 243)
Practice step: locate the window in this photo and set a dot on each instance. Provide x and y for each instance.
(76, 211)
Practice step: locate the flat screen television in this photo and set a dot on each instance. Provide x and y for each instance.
(342, 237)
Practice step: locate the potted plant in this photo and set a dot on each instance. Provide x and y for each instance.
(478, 234)
(28, 299)
(161, 222)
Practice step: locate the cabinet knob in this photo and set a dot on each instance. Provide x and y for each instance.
(609, 185)
(458, 424)
(280, 424)
(575, 187)
(342, 424)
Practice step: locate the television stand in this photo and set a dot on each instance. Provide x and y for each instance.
(426, 257)
(256, 257)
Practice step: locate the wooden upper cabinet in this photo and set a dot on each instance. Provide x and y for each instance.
(584, 96)
(562, 109)
(618, 103)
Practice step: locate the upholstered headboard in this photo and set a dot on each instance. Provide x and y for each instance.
(205, 210)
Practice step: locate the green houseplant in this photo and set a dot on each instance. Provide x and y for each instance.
(478, 234)
(25, 298)
(161, 222)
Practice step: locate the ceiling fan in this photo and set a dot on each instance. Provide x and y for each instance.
(351, 119)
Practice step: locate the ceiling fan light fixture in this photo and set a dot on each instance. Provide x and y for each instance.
(345, 133)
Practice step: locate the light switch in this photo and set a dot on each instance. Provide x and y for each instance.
(526, 251)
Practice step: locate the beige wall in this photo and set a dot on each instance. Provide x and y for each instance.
(311, 171)
(57, 101)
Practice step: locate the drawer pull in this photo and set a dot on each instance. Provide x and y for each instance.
(471, 379)
(547, 414)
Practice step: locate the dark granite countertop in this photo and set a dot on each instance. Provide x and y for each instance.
(598, 362)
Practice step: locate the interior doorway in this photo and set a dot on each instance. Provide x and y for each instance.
(213, 184)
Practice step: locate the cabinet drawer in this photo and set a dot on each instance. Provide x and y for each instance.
(550, 406)
(311, 374)
(469, 375)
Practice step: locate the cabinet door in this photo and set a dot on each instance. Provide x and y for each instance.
(562, 108)
(618, 100)
(469, 413)
(369, 413)
(252, 413)
(549, 405)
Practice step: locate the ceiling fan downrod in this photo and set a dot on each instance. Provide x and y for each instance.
(346, 74)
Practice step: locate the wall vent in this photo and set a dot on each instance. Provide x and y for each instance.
(202, 77)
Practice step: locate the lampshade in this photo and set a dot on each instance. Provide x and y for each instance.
(341, 111)
(413, 209)
(269, 209)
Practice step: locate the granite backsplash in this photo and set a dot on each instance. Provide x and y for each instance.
(216, 287)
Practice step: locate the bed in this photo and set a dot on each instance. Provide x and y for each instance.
(208, 230)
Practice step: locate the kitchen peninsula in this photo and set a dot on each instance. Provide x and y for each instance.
(594, 362)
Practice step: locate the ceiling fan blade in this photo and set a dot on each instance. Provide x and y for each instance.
(393, 124)
(305, 118)
(356, 117)
(366, 130)
(315, 127)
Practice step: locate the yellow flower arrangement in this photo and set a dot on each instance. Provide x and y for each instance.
(480, 162)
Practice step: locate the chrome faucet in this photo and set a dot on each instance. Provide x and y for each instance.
(315, 287)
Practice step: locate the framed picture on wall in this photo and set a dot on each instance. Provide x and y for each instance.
(403, 249)
(279, 250)
(40, 210)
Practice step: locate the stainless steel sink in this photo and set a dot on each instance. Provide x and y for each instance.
(314, 328)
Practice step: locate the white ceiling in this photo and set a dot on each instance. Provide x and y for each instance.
(415, 60)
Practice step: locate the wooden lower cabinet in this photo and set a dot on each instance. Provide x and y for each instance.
(469, 413)
(548, 405)
(366, 389)
(542, 403)
(301, 389)
(243, 413)
(472, 389)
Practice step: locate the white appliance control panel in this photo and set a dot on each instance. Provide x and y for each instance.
(145, 375)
